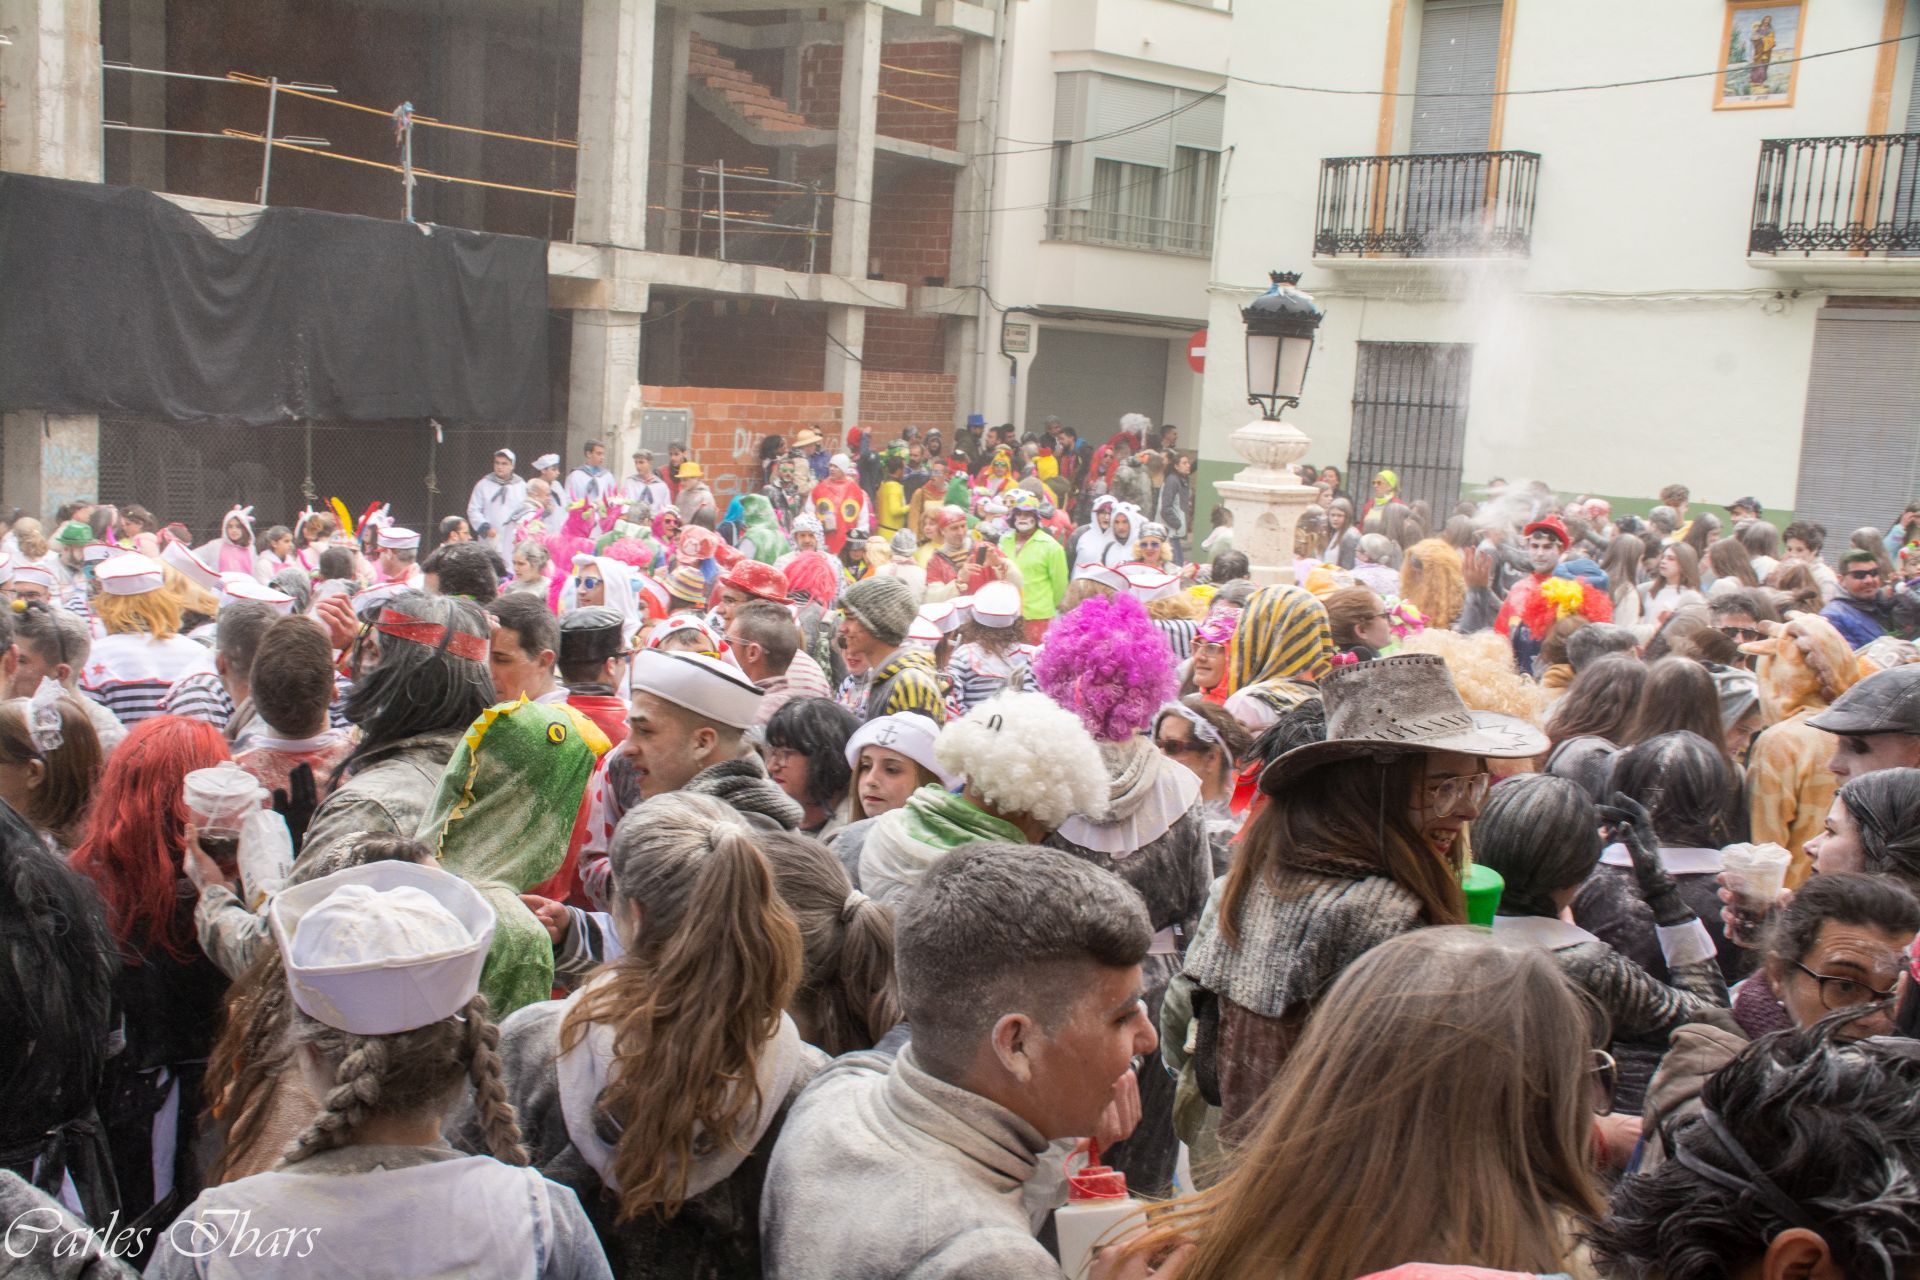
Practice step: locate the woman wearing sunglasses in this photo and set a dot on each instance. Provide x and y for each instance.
(1201, 736)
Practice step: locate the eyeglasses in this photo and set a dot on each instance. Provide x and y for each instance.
(1376, 617)
(1188, 747)
(587, 584)
(1743, 635)
(1448, 795)
(1605, 1073)
(1147, 544)
(1844, 993)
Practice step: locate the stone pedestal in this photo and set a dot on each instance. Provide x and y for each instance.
(1266, 500)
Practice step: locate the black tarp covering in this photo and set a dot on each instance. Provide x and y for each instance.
(113, 300)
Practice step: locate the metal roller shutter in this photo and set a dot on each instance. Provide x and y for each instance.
(1859, 450)
(1089, 379)
(1459, 55)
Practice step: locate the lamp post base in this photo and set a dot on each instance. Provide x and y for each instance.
(1266, 501)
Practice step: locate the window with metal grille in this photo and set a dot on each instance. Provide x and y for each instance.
(1410, 417)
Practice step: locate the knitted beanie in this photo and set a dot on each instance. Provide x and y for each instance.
(884, 606)
(904, 543)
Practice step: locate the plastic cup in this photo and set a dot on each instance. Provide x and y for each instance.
(1483, 886)
(1754, 874)
(218, 802)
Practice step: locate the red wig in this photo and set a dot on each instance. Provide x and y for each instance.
(137, 833)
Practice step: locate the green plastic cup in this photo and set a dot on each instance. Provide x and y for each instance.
(1483, 886)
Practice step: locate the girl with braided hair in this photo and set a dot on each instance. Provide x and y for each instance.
(386, 1026)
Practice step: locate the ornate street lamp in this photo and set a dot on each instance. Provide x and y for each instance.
(1266, 498)
(1280, 326)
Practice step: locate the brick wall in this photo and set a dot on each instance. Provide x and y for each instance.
(728, 423)
(889, 401)
(934, 123)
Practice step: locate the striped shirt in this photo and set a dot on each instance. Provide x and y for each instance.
(978, 674)
(132, 674)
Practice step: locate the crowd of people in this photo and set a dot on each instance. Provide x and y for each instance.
(873, 873)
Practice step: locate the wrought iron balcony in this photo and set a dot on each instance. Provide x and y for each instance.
(1469, 204)
(1851, 195)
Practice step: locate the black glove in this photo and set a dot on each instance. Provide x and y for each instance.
(1633, 827)
(297, 803)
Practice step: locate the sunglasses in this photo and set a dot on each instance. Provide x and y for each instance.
(1859, 575)
(1744, 635)
(1189, 747)
(1605, 1073)
(588, 584)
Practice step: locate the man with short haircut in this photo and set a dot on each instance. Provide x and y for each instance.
(223, 696)
(1547, 541)
(496, 499)
(886, 674)
(455, 529)
(676, 455)
(644, 486)
(1744, 511)
(746, 581)
(591, 481)
(1595, 641)
(53, 644)
(1019, 973)
(292, 684)
(765, 641)
(1876, 724)
(462, 569)
(686, 732)
(399, 553)
(592, 663)
(526, 644)
(1863, 611)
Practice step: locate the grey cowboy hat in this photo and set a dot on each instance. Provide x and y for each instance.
(1885, 702)
(1392, 706)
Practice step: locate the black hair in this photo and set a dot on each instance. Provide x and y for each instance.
(525, 613)
(1807, 531)
(1885, 804)
(464, 569)
(1800, 1130)
(1228, 566)
(1727, 603)
(1541, 833)
(817, 728)
(1686, 785)
(418, 688)
(336, 562)
(57, 965)
(1867, 901)
(1296, 727)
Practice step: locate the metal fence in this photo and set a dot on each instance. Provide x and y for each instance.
(1129, 231)
(1410, 417)
(1469, 204)
(1851, 195)
(744, 215)
(194, 474)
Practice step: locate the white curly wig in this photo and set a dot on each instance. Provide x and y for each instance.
(1136, 423)
(1023, 753)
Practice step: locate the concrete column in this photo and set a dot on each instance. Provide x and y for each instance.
(51, 458)
(846, 346)
(972, 190)
(616, 108)
(853, 149)
(50, 81)
(604, 366)
(668, 146)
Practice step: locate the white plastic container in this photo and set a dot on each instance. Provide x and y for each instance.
(1097, 1207)
(266, 857)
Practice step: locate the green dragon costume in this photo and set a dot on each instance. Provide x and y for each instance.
(502, 818)
(760, 535)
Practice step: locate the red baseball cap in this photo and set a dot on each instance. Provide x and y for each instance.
(1550, 525)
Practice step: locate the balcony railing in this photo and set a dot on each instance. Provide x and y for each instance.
(1852, 195)
(1469, 204)
(1130, 231)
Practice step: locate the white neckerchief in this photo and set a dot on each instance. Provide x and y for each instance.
(1677, 861)
(1550, 932)
(325, 738)
(584, 1070)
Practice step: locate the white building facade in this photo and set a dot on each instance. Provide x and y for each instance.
(1607, 290)
(1111, 119)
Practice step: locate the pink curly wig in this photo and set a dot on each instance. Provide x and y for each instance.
(1107, 663)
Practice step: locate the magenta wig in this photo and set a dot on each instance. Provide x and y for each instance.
(1107, 663)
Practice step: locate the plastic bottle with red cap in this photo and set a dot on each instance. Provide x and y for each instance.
(1097, 1204)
